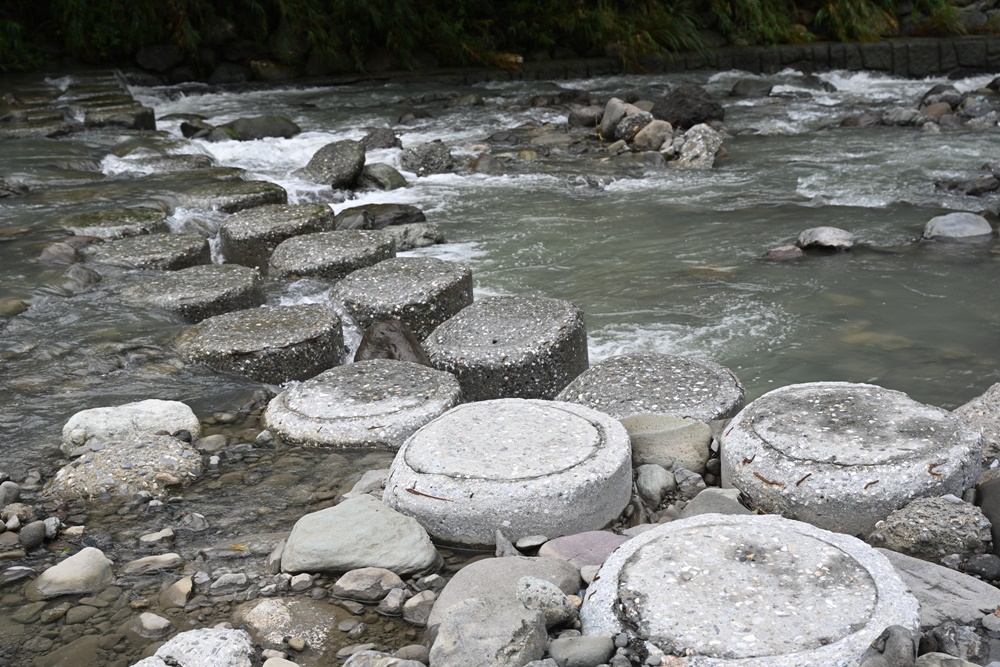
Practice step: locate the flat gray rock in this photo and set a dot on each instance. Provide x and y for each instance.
(337, 164)
(167, 252)
(512, 347)
(249, 237)
(581, 549)
(270, 620)
(202, 291)
(489, 633)
(274, 344)
(421, 292)
(523, 467)
(376, 403)
(128, 420)
(748, 591)
(359, 532)
(841, 456)
(667, 384)
(714, 500)
(116, 223)
(959, 225)
(330, 255)
(233, 196)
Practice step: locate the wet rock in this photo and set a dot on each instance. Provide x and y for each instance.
(126, 421)
(900, 116)
(262, 127)
(653, 136)
(825, 238)
(9, 188)
(116, 223)
(942, 93)
(337, 164)
(983, 413)
(378, 216)
(59, 254)
(205, 647)
(359, 532)
(581, 651)
(488, 633)
(367, 584)
(330, 255)
(391, 340)
(862, 120)
(930, 528)
(233, 196)
(426, 159)
(417, 235)
(250, 237)
(10, 492)
(380, 176)
(200, 292)
(87, 571)
(380, 137)
(167, 252)
(82, 651)
(614, 111)
(688, 105)
(965, 226)
(701, 143)
(750, 87)
(32, 535)
(631, 124)
(783, 253)
(485, 163)
(586, 116)
(935, 110)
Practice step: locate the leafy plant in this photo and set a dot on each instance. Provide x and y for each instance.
(860, 20)
(754, 21)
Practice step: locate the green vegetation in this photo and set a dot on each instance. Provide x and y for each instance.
(342, 34)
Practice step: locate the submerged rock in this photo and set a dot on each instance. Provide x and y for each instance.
(262, 127)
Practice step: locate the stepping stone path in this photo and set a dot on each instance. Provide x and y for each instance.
(116, 223)
(233, 196)
(512, 347)
(422, 292)
(330, 255)
(167, 252)
(842, 456)
(377, 403)
(747, 591)
(249, 237)
(202, 291)
(658, 383)
(523, 467)
(272, 345)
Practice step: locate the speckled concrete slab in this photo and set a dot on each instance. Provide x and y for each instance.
(748, 591)
(667, 384)
(842, 456)
(233, 196)
(249, 237)
(168, 252)
(512, 347)
(273, 345)
(200, 291)
(524, 467)
(422, 292)
(376, 403)
(330, 255)
(116, 223)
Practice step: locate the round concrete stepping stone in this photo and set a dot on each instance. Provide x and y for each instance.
(512, 347)
(422, 292)
(116, 223)
(272, 345)
(842, 456)
(748, 591)
(330, 255)
(667, 384)
(249, 237)
(524, 467)
(167, 252)
(233, 196)
(376, 403)
(201, 291)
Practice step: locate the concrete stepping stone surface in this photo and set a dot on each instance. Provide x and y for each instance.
(167, 252)
(249, 237)
(842, 456)
(421, 292)
(233, 196)
(272, 345)
(748, 591)
(523, 467)
(116, 223)
(667, 384)
(512, 347)
(202, 291)
(369, 404)
(330, 255)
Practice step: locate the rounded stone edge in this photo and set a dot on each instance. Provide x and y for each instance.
(442, 498)
(383, 248)
(894, 605)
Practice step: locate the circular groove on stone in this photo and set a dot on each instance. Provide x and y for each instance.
(512, 347)
(842, 456)
(116, 223)
(421, 292)
(376, 403)
(525, 475)
(330, 255)
(201, 291)
(168, 252)
(658, 383)
(249, 237)
(748, 591)
(273, 344)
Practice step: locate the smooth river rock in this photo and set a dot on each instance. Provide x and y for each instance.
(958, 226)
(87, 571)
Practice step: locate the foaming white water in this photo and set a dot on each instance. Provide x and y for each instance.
(452, 252)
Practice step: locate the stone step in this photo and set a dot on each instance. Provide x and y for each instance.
(249, 237)
(167, 252)
(330, 255)
(200, 292)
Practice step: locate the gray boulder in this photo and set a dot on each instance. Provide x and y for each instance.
(391, 340)
(588, 116)
(338, 164)
(652, 482)
(426, 159)
(205, 647)
(749, 87)
(270, 620)
(379, 176)
(714, 500)
(262, 127)
(614, 111)
(87, 571)
(126, 421)
(966, 226)
(930, 528)
(900, 116)
(546, 597)
(937, 659)
(488, 633)
(701, 143)
(688, 105)
(825, 238)
(378, 216)
(653, 136)
(378, 659)
(586, 651)
(895, 647)
(369, 584)
(380, 137)
(983, 413)
(630, 125)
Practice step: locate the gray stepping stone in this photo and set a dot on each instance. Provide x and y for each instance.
(233, 196)
(330, 255)
(116, 223)
(421, 292)
(666, 384)
(168, 252)
(523, 467)
(249, 237)
(753, 591)
(512, 347)
(842, 456)
(272, 345)
(200, 291)
(377, 403)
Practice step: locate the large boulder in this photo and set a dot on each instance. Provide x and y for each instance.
(377, 216)
(930, 528)
(958, 226)
(688, 105)
(204, 647)
(127, 421)
(429, 158)
(261, 127)
(338, 164)
(87, 571)
(701, 143)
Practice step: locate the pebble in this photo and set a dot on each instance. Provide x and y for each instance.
(32, 535)
(301, 582)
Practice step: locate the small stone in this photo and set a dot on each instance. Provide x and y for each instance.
(150, 626)
(986, 566)
(368, 584)
(301, 582)
(297, 644)
(417, 609)
(165, 535)
(392, 603)
(652, 482)
(32, 535)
